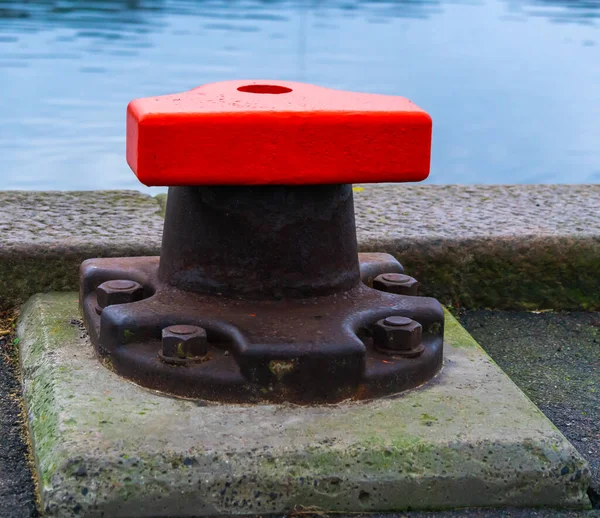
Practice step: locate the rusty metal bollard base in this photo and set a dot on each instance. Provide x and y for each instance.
(315, 349)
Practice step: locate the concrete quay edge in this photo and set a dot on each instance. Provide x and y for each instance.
(483, 246)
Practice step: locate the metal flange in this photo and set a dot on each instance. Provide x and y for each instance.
(272, 278)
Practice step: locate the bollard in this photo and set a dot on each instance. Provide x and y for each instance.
(259, 253)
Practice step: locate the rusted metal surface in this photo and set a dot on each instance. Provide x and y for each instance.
(182, 344)
(399, 336)
(373, 264)
(261, 241)
(269, 280)
(396, 283)
(118, 292)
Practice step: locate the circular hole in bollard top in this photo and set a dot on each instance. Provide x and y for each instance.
(264, 89)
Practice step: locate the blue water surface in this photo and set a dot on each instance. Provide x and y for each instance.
(513, 86)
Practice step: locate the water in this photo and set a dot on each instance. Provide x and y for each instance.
(513, 86)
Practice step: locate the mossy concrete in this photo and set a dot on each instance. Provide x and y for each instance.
(104, 446)
(489, 246)
(45, 236)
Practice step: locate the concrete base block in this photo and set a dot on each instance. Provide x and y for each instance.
(105, 447)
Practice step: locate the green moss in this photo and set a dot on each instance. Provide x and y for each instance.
(21, 277)
(39, 394)
(455, 334)
(43, 423)
(281, 368)
(546, 272)
(428, 419)
(162, 202)
(374, 455)
(31, 269)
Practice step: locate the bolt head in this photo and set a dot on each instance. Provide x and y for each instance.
(398, 335)
(184, 342)
(119, 291)
(396, 321)
(397, 283)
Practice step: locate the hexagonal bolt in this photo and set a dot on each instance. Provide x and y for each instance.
(118, 291)
(182, 343)
(400, 336)
(397, 283)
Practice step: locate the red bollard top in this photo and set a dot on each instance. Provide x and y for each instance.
(276, 133)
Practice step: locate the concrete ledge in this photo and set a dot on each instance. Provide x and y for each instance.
(505, 247)
(468, 438)
(494, 246)
(45, 236)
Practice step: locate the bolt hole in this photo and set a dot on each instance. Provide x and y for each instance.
(264, 89)
(363, 496)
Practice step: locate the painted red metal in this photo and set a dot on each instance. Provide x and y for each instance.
(276, 133)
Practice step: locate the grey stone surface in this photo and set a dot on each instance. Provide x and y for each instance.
(44, 236)
(555, 359)
(494, 246)
(423, 211)
(468, 438)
